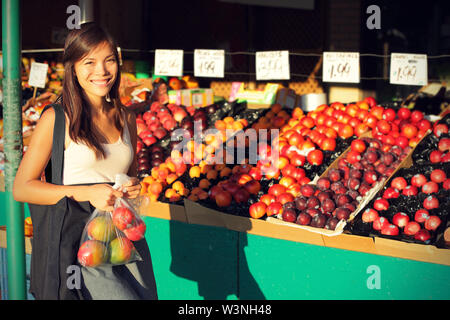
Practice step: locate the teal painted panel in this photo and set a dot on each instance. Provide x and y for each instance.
(191, 261)
(291, 270)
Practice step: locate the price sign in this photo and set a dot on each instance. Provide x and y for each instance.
(272, 65)
(38, 75)
(409, 69)
(169, 63)
(340, 67)
(209, 63)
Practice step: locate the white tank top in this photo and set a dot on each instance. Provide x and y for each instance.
(81, 166)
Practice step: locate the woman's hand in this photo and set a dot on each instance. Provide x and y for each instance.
(132, 188)
(103, 196)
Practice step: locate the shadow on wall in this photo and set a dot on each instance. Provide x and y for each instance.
(212, 257)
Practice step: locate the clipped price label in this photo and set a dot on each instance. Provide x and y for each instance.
(38, 75)
(168, 63)
(272, 65)
(209, 63)
(340, 67)
(409, 69)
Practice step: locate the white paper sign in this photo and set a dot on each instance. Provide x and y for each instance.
(209, 63)
(272, 65)
(38, 75)
(340, 67)
(169, 63)
(409, 69)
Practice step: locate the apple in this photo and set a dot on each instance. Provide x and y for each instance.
(432, 223)
(319, 221)
(101, 228)
(120, 250)
(436, 156)
(381, 204)
(399, 183)
(422, 235)
(410, 191)
(400, 219)
(421, 215)
(289, 215)
(135, 232)
(257, 210)
(223, 198)
(303, 219)
(431, 202)
(274, 208)
(418, 180)
(369, 215)
(438, 176)
(122, 217)
(391, 230)
(411, 228)
(380, 223)
(92, 253)
(430, 187)
(444, 144)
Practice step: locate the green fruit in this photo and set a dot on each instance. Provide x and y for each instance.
(102, 228)
(120, 250)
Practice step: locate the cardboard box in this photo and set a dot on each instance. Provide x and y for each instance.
(191, 97)
(256, 99)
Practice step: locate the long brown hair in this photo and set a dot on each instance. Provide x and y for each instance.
(79, 43)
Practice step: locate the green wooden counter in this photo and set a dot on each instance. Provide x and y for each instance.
(193, 261)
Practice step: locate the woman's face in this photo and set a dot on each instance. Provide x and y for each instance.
(97, 71)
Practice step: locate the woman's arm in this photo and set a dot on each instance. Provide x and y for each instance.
(27, 184)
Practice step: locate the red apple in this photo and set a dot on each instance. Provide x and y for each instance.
(438, 175)
(379, 223)
(411, 228)
(418, 180)
(399, 183)
(430, 187)
(431, 202)
(369, 215)
(400, 219)
(381, 204)
(432, 223)
(422, 235)
(257, 210)
(390, 230)
(274, 208)
(421, 215)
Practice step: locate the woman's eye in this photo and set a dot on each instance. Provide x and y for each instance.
(111, 60)
(88, 62)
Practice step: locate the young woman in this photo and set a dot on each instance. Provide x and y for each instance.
(100, 142)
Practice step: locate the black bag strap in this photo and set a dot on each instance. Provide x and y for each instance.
(54, 169)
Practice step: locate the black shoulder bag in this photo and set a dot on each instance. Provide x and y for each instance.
(57, 230)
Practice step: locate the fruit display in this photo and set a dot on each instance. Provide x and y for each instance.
(413, 206)
(435, 148)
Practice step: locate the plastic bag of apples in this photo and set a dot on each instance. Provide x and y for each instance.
(107, 238)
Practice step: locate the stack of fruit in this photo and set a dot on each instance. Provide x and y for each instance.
(410, 207)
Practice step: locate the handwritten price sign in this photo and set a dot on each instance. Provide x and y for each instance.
(169, 63)
(209, 63)
(272, 65)
(340, 67)
(38, 75)
(409, 69)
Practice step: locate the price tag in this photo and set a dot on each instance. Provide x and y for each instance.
(340, 67)
(272, 65)
(38, 75)
(409, 69)
(209, 63)
(169, 63)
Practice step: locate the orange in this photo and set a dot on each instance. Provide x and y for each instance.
(148, 179)
(184, 192)
(190, 146)
(202, 195)
(237, 126)
(143, 191)
(196, 190)
(155, 188)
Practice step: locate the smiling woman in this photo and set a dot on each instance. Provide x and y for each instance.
(91, 138)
